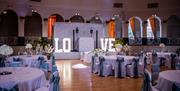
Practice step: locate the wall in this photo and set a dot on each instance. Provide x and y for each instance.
(88, 9)
(65, 30)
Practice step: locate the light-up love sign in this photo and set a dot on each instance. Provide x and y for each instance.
(106, 44)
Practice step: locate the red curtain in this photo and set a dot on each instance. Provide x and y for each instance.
(51, 21)
(111, 29)
(132, 25)
(152, 23)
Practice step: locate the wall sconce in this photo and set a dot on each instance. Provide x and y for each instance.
(91, 32)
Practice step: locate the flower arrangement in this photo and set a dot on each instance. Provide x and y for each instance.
(126, 49)
(49, 50)
(118, 47)
(6, 50)
(28, 46)
(98, 52)
(162, 45)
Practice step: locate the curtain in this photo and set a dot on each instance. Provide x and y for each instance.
(51, 21)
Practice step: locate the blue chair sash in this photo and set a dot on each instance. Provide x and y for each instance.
(54, 68)
(54, 79)
(178, 66)
(176, 87)
(17, 59)
(145, 62)
(92, 64)
(41, 60)
(154, 57)
(2, 61)
(135, 65)
(119, 61)
(53, 59)
(173, 61)
(146, 82)
(101, 60)
(44, 66)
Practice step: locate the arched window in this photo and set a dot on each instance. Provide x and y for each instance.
(154, 27)
(173, 27)
(8, 23)
(118, 27)
(96, 19)
(51, 20)
(135, 28)
(77, 18)
(33, 25)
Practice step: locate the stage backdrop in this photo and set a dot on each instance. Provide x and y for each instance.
(65, 30)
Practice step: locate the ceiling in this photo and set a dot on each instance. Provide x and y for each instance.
(103, 7)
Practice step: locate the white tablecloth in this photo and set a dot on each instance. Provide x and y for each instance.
(167, 78)
(87, 57)
(112, 59)
(28, 60)
(159, 54)
(27, 79)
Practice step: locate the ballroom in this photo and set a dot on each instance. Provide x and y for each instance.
(89, 45)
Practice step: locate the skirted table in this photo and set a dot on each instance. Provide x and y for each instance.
(26, 78)
(167, 79)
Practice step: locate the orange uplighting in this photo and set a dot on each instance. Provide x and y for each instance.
(51, 21)
(132, 24)
(111, 29)
(152, 23)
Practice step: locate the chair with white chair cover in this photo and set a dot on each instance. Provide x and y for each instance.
(132, 69)
(177, 66)
(155, 69)
(145, 62)
(155, 58)
(162, 61)
(142, 62)
(9, 86)
(96, 64)
(104, 68)
(53, 59)
(147, 85)
(17, 62)
(178, 52)
(43, 65)
(120, 68)
(176, 87)
(53, 84)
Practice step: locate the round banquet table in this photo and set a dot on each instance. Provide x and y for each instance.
(159, 54)
(167, 79)
(113, 58)
(27, 79)
(28, 60)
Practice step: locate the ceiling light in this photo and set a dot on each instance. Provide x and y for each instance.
(5, 12)
(97, 18)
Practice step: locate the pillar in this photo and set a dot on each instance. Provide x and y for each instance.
(21, 22)
(45, 27)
